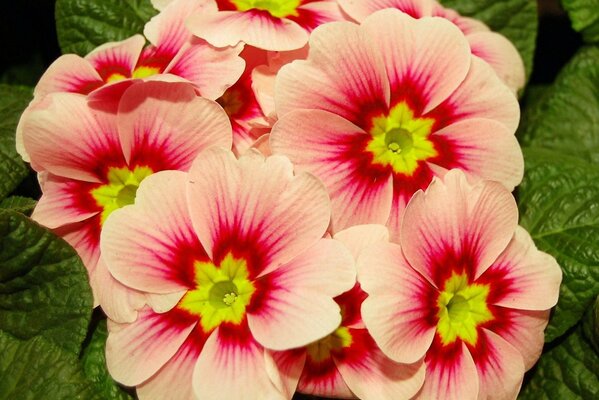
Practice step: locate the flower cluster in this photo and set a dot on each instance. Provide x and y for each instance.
(298, 195)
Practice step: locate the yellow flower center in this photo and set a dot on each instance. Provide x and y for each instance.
(321, 350)
(276, 8)
(462, 308)
(115, 77)
(222, 293)
(120, 190)
(401, 140)
(145, 71)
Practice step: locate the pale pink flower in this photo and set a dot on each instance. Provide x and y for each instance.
(378, 109)
(467, 290)
(348, 363)
(93, 161)
(266, 24)
(492, 47)
(236, 249)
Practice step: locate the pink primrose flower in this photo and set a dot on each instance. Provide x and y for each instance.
(467, 290)
(93, 161)
(348, 363)
(234, 256)
(490, 46)
(378, 110)
(266, 24)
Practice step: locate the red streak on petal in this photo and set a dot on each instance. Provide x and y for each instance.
(443, 357)
(500, 285)
(156, 57)
(248, 246)
(350, 303)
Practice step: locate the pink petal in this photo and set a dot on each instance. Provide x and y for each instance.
(523, 277)
(165, 125)
(256, 208)
(485, 149)
(500, 367)
(298, 302)
(456, 227)
(400, 309)
(332, 148)
(323, 379)
(65, 201)
(117, 57)
(500, 54)
(174, 379)
(522, 329)
(311, 14)
(211, 70)
(152, 246)
(343, 74)
(359, 237)
(372, 376)
(263, 85)
(69, 73)
(360, 9)
(450, 374)
(254, 27)
(167, 29)
(162, 303)
(423, 78)
(134, 352)
(119, 302)
(71, 140)
(481, 95)
(232, 366)
(285, 369)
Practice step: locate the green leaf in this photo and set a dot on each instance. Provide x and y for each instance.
(44, 289)
(566, 371)
(83, 25)
(584, 15)
(566, 118)
(94, 365)
(591, 325)
(514, 19)
(13, 100)
(36, 369)
(559, 206)
(24, 205)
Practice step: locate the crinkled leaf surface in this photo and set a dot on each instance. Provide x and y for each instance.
(584, 15)
(44, 289)
(83, 25)
(566, 118)
(559, 206)
(591, 325)
(94, 365)
(13, 100)
(565, 371)
(36, 369)
(514, 19)
(24, 205)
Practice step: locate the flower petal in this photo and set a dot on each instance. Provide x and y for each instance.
(343, 74)
(69, 73)
(232, 366)
(360, 9)
(166, 125)
(359, 237)
(456, 227)
(174, 379)
(500, 367)
(211, 70)
(450, 374)
(298, 302)
(485, 149)
(71, 140)
(152, 246)
(254, 27)
(332, 148)
(255, 204)
(134, 352)
(424, 77)
(501, 55)
(399, 311)
(372, 376)
(526, 278)
(117, 59)
(285, 369)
